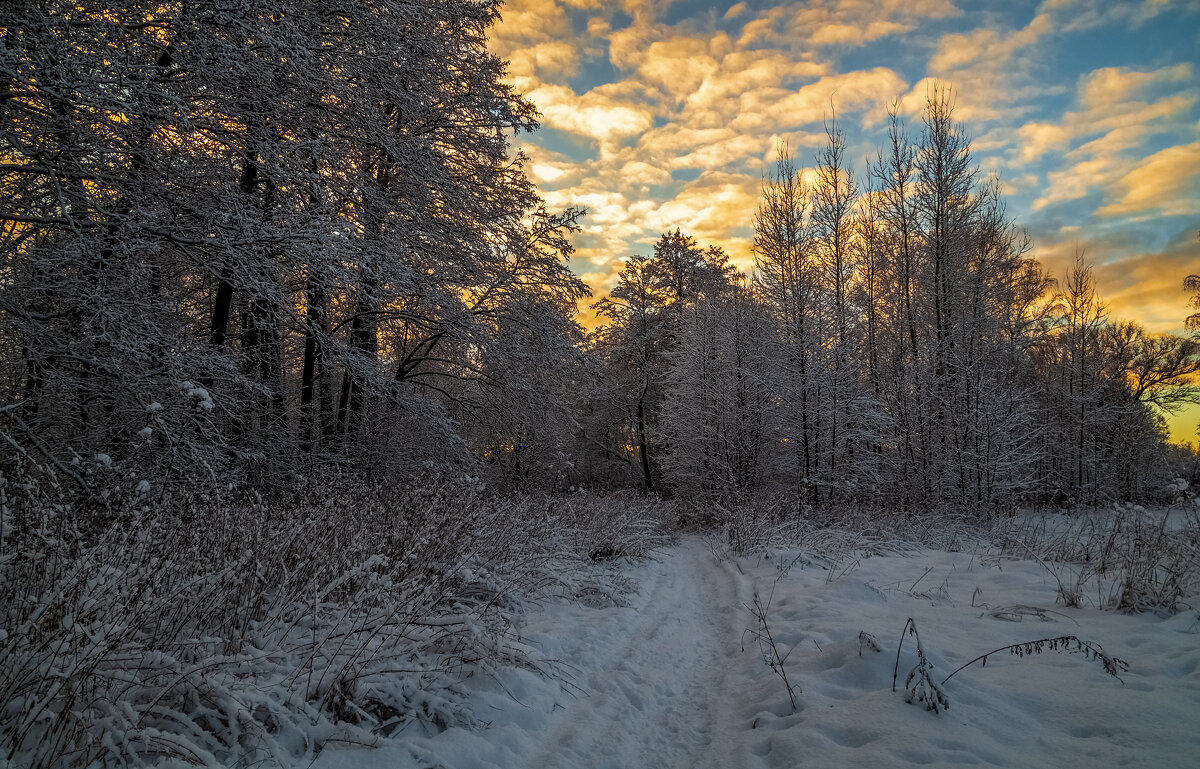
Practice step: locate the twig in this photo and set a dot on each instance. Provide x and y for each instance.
(1112, 665)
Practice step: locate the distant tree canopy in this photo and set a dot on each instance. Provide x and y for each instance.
(246, 241)
(896, 346)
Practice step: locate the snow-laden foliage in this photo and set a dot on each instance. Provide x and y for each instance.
(277, 236)
(236, 631)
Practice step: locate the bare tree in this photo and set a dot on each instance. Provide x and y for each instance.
(786, 276)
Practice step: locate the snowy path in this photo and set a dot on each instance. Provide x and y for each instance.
(665, 683)
(662, 684)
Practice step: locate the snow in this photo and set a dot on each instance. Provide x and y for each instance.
(675, 678)
(201, 395)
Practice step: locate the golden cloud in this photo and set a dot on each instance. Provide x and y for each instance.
(709, 208)
(745, 76)
(735, 148)
(989, 47)
(544, 60)
(528, 21)
(1076, 181)
(675, 139)
(638, 172)
(599, 27)
(547, 172)
(1123, 124)
(847, 34)
(1167, 183)
(855, 22)
(869, 91)
(1112, 88)
(595, 114)
(762, 28)
(679, 65)
(1036, 139)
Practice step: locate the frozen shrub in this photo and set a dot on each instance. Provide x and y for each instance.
(248, 630)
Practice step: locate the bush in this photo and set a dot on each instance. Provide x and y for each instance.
(239, 630)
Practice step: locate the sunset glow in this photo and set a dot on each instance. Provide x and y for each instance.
(665, 115)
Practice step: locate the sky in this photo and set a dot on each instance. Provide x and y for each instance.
(664, 115)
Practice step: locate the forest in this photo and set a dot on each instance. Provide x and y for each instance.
(284, 325)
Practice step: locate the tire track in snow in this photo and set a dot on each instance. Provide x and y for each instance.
(663, 684)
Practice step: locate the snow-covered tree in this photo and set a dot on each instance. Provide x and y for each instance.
(271, 233)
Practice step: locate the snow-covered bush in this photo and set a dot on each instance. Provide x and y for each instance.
(244, 630)
(620, 524)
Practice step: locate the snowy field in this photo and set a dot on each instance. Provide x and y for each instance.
(677, 676)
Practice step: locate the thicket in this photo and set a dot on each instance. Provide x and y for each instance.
(274, 290)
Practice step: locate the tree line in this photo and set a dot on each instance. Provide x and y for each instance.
(896, 345)
(248, 243)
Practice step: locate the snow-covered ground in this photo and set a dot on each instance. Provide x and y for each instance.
(676, 678)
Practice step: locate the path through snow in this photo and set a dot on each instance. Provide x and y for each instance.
(667, 683)
(661, 679)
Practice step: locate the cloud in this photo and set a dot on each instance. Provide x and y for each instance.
(1114, 121)
(708, 208)
(1079, 15)
(628, 47)
(1078, 180)
(863, 91)
(738, 148)
(525, 22)
(994, 71)
(1167, 183)
(804, 26)
(544, 60)
(638, 172)
(1036, 139)
(1111, 89)
(989, 47)
(743, 75)
(762, 28)
(600, 114)
(678, 65)
(847, 34)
